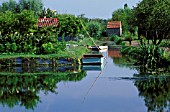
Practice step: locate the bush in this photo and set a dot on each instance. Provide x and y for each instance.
(68, 25)
(2, 48)
(24, 23)
(14, 47)
(116, 39)
(149, 57)
(94, 29)
(8, 47)
(48, 48)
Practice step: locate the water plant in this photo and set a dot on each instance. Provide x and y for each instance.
(150, 58)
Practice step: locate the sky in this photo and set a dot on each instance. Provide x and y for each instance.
(91, 8)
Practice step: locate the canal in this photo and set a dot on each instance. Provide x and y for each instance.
(112, 87)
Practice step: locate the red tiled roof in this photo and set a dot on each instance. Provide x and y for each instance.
(114, 24)
(47, 22)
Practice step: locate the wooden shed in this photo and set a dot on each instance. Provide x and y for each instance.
(114, 28)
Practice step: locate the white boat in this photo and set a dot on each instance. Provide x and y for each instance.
(98, 48)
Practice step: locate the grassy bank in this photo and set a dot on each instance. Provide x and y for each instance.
(73, 52)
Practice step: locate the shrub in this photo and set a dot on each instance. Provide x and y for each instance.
(116, 39)
(48, 47)
(8, 47)
(94, 29)
(14, 47)
(2, 48)
(149, 57)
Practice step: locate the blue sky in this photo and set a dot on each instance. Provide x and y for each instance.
(91, 8)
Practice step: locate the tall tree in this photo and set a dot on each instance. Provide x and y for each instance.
(34, 5)
(12, 5)
(122, 15)
(24, 23)
(153, 19)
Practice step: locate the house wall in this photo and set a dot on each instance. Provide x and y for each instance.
(114, 31)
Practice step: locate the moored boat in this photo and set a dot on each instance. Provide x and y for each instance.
(92, 59)
(98, 48)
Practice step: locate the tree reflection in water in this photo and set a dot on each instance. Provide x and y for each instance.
(23, 89)
(156, 92)
(154, 87)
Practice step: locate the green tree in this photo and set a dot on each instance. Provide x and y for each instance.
(48, 13)
(18, 7)
(9, 6)
(123, 16)
(153, 19)
(94, 29)
(26, 22)
(7, 22)
(68, 25)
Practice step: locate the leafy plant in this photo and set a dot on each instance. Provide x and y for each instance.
(13, 47)
(151, 58)
(116, 39)
(94, 29)
(48, 47)
(2, 48)
(8, 47)
(68, 25)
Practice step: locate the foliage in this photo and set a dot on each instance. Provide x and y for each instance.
(14, 47)
(153, 19)
(68, 25)
(149, 57)
(1, 47)
(94, 29)
(155, 91)
(165, 43)
(22, 89)
(47, 13)
(25, 22)
(33, 5)
(116, 39)
(48, 47)
(30, 44)
(123, 15)
(11, 5)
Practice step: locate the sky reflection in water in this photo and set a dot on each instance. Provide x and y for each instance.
(94, 93)
(106, 91)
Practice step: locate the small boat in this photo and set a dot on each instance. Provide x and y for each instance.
(98, 48)
(92, 59)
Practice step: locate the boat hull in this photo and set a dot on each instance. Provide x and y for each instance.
(94, 60)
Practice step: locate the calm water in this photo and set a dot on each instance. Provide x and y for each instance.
(111, 89)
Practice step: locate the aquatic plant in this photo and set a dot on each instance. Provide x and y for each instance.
(150, 58)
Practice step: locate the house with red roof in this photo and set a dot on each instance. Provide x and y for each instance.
(114, 28)
(46, 22)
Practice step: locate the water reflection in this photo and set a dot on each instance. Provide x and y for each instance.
(154, 88)
(23, 88)
(115, 87)
(156, 93)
